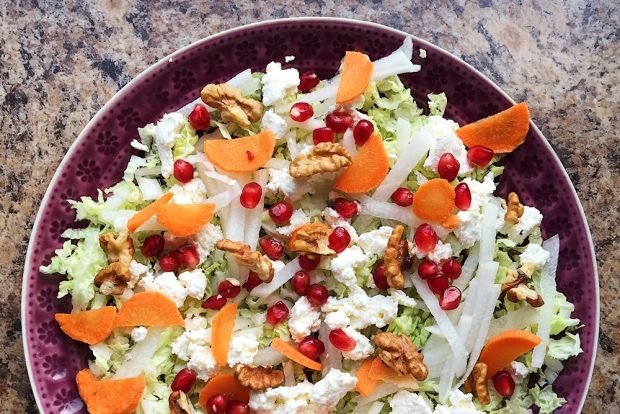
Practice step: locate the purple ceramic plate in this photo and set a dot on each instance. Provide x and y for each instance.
(97, 158)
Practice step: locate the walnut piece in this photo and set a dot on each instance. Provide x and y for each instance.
(312, 238)
(179, 403)
(524, 292)
(113, 279)
(400, 354)
(514, 209)
(323, 157)
(118, 247)
(477, 382)
(248, 258)
(258, 378)
(231, 103)
(394, 259)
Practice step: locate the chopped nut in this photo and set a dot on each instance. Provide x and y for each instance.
(523, 292)
(179, 404)
(312, 238)
(323, 157)
(258, 378)
(477, 382)
(394, 259)
(400, 354)
(248, 258)
(527, 269)
(513, 279)
(119, 248)
(514, 209)
(112, 279)
(231, 103)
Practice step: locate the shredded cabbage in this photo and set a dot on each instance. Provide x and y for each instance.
(184, 145)
(412, 322)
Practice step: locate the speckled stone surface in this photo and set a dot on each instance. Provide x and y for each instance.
(61, 61)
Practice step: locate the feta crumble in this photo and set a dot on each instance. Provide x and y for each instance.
(281, 182)
(167, 130)
(344, 264)
(139, 333)
(363, 348)
(375, 241)
(274, 123)
(404, 402)
(303, 319)
(534, 254)
(278, 83)
(243, 348)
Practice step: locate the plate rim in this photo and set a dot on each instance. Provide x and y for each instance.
(170, 58)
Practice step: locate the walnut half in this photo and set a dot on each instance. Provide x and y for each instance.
(248, 258)
(258, 378)
(113, 279)
(477, 382)
(393, 259)
(312, 238)
(514, 209)
(323, 157)
(231, 103)
(118, 248)
(400, 354)
(179, 403)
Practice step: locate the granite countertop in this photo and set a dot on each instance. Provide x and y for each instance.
(61, 61)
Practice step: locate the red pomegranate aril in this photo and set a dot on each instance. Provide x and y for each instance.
(188, 256)
(301, 282)
(250, 155)
(277, 313)
(339, 121)
(215, 302)
(217, 404)
(252, 281)
(339, 239)
(184, 380)
(324, 134)
(448, 167)
(199, 118)
(378, 275)
(403, 197)
(438, 284)
(462, 196)
(271, 247)
(341, 340)
(479, 155)
(309, 262)
(317, 295)
(308, 81)
(301, 111)
(228, 289)
(183, 171)
(450, 298)
(425, 238)
(311, 347)
(153, 245)
(451, 268)
(346, 208)
(169, 262)
(281, 212)
(251, 195)
(237, 407)
(504, 384)
(362, 131)
(427, 269)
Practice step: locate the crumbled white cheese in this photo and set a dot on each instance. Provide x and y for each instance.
(281, 182)
(327, 392)
(442, 251)
(334, 219)
(344, 264)
(423, 53)
(136, 270)
(275, 123)
(243, 348)
(139, 333)
(451, 144)
(206, 238)
(167, 284)
(303, 319)
(167, 130)
(519, 371)
(193, 346)
(289, 58)
(278, 83)
(363, 348)
(375, 241)
(530, 219)
(404, 402)
(470, 221)
(195, 282)
(359, 310)
(534, 254)
(402, 299)
(459, 404)
(298, 218)
(193, 192)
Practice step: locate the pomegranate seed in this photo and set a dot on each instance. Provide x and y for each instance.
(341, 340)
(215, 302)
(427, 269)
(169, 262)
(271, 247)
(309, 262)
(277, 313)
(339, 239)
(188, 256)
(438, 284)
(300, 282)
(403, 197)
(228, 289)
(324, 134)
(448, 167)
(199, 118)
(451, 268)
(153, 245)
(184, 380)
(450, 298)
(281, 212)
(252, 281)
(183, 171)
(317, 295)
(217, 404)
(250, 195)
(504, 384)
(301, 111)
(378, 275)
(346, 208)
(425, 238)
(237, 407)
(362, 131)
(308, 81)
(250, 155)
(479, 155)
(311, 347)
(462, 196)
(339, 121)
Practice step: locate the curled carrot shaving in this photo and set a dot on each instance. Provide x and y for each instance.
(381, 372)
(221, 332)
(293, 354)
(366, 385)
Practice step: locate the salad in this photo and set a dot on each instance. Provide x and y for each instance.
(290, 244)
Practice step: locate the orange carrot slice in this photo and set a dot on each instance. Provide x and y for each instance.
(451, 222)
(356, 73)
(226, 385)
(293, 354)
(148, 309)
(110, 396)
(243, 154)
(502, 132)
(184, 219)
(221, 333)
(434, 200)
(367, 170)
(503, 348)
(365, 385)
(146, 213)
(381, 372)
(91, 327)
